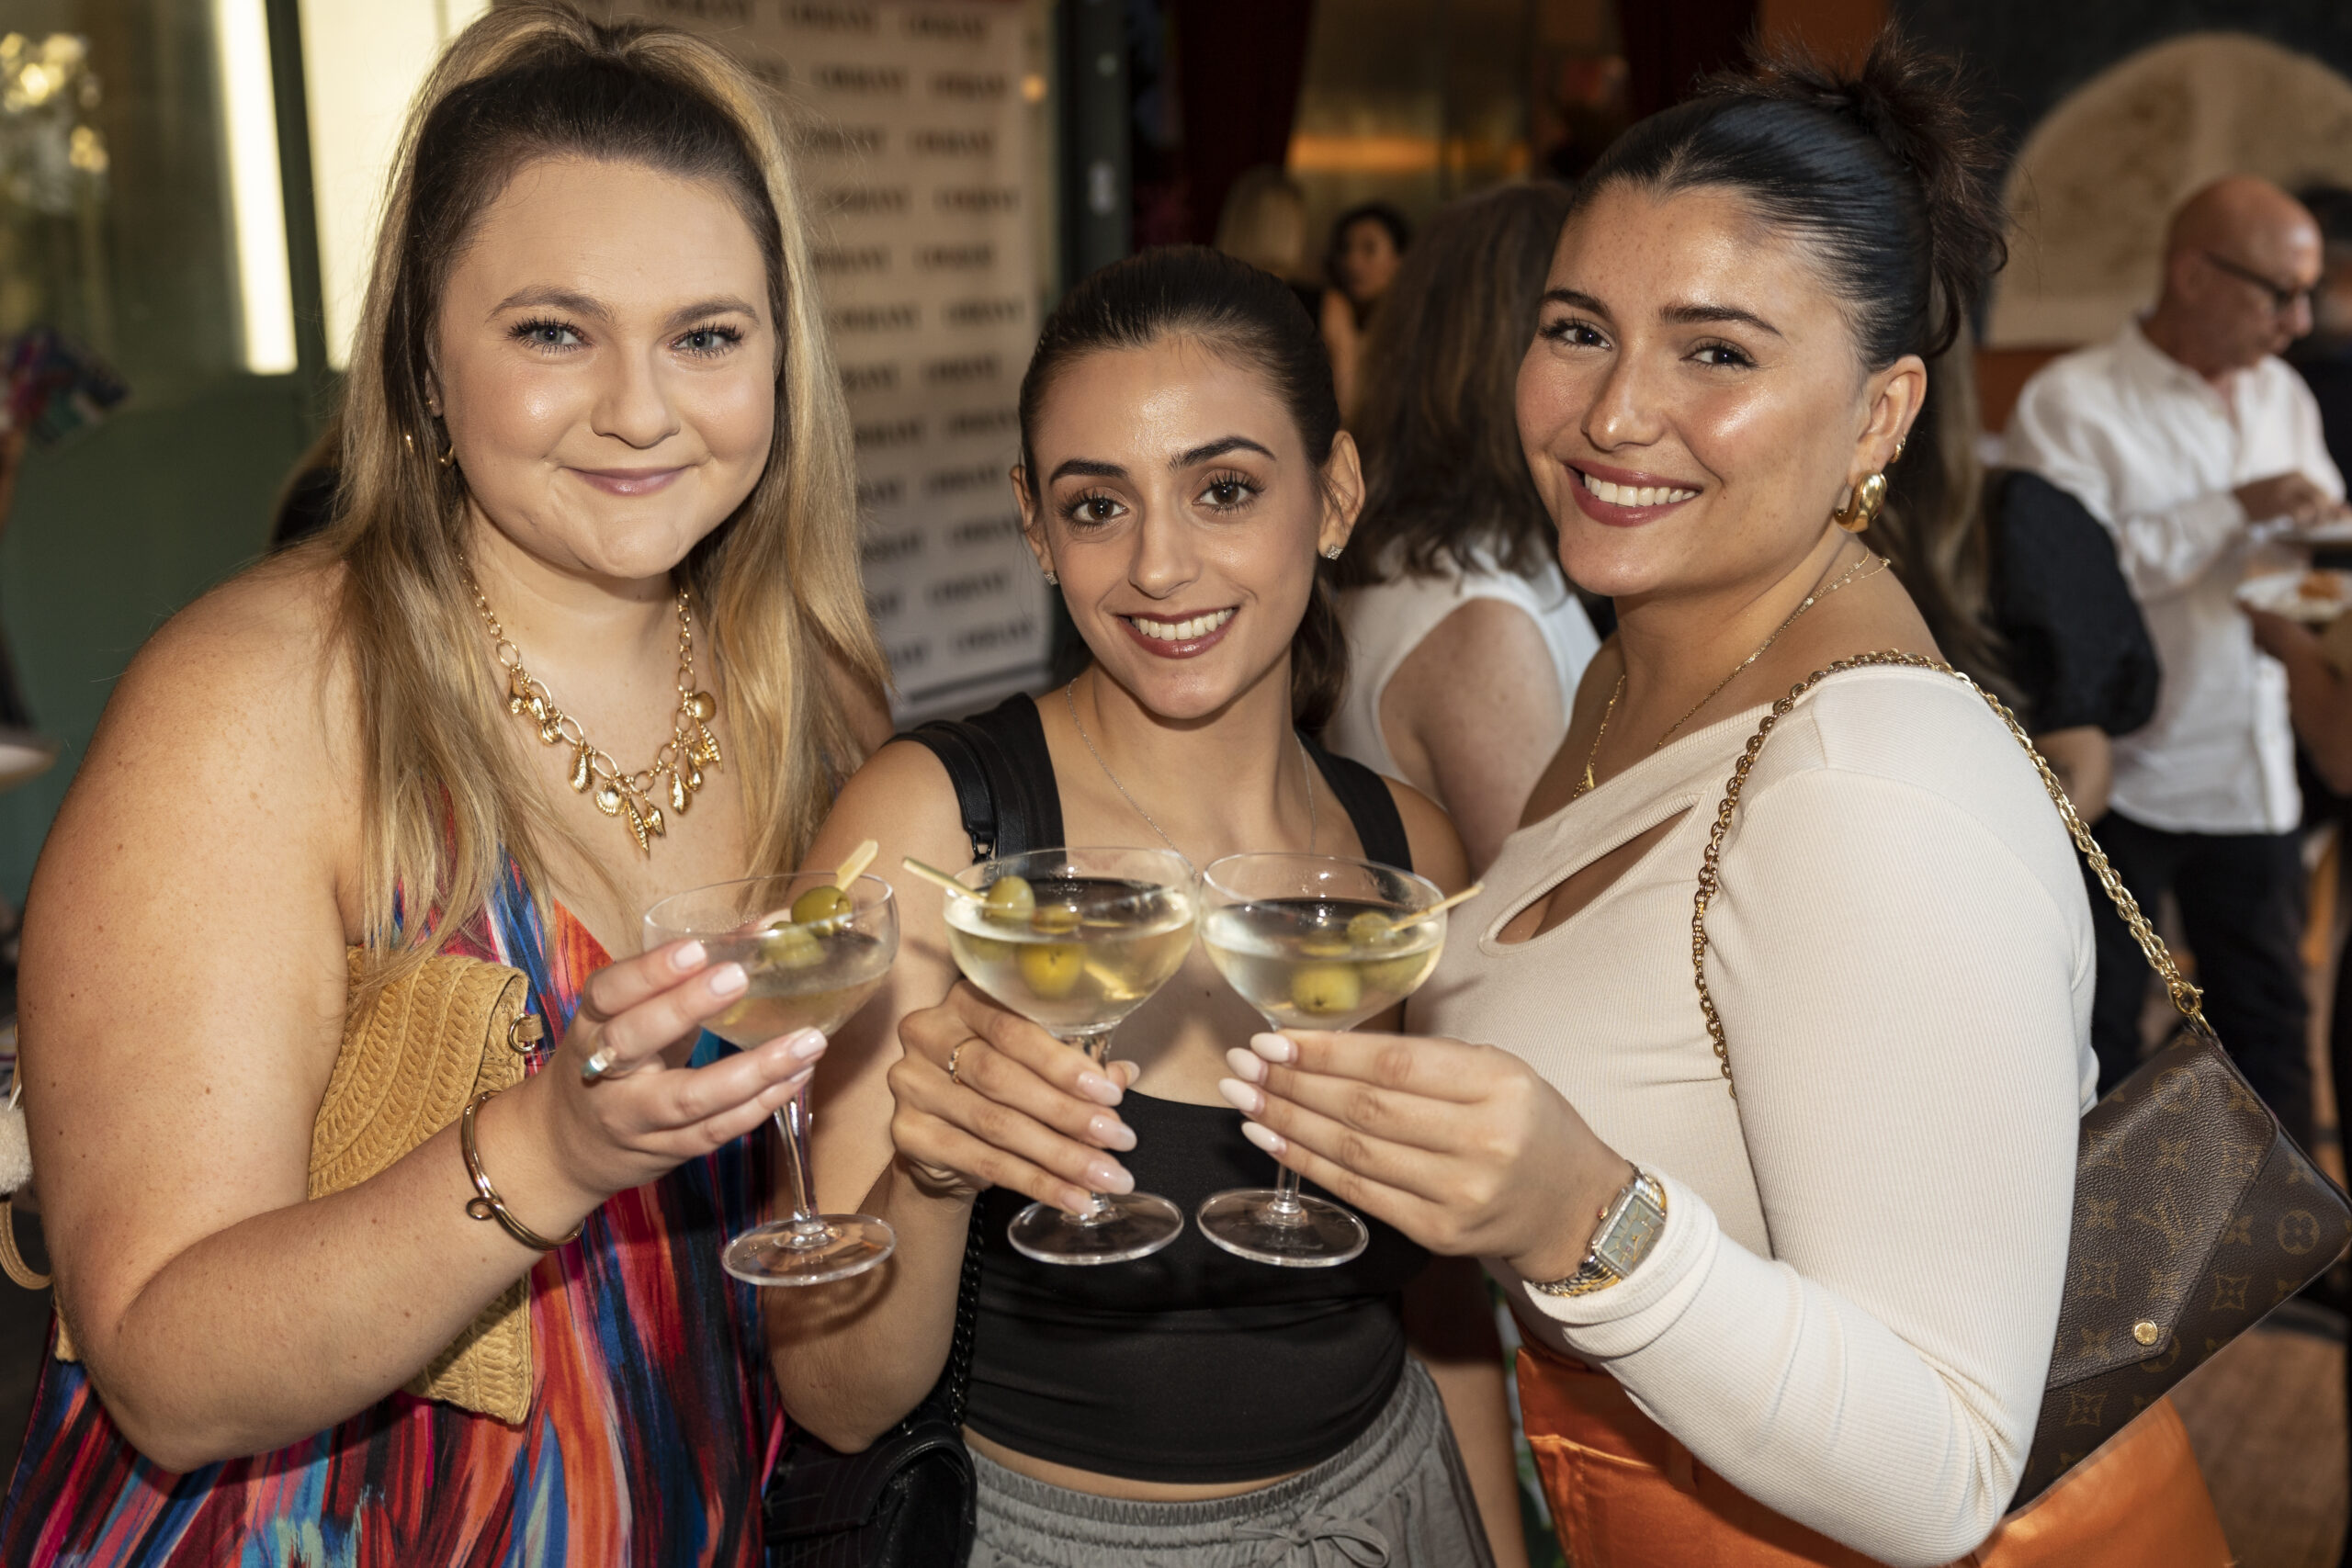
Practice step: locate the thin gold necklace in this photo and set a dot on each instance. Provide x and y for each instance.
(690, 748)
(1593, 756)
(1811, 599)
(1070, 696)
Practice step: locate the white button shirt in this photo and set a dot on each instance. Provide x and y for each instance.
(2155, 451)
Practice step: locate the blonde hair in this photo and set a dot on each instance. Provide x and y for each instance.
(1264, 221)
(776, 585)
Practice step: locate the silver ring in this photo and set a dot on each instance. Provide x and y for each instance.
(596, 1066)
(952, 1056)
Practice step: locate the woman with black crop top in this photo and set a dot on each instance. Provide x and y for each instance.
(1182, 469)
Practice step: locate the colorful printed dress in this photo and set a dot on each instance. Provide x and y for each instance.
(650, 1433)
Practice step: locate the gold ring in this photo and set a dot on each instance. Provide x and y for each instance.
(952, 1056)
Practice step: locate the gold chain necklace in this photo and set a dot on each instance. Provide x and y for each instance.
(690, 748)
(1811, 599)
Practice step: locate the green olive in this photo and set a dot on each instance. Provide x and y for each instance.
(1054, 919)
(1052, 969)
(1326, 990)
(985, 949)
(1009, 899)
(792, 947)
(823, 909)
(1402, 975)
(1369, 929)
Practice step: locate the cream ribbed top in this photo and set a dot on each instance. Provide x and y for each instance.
(1850, 1314)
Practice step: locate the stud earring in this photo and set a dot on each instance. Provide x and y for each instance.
(1333, 553)
(1052, 580)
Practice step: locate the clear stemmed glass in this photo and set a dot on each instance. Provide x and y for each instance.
(1074, 940)
(812, 962)
(1312, 941)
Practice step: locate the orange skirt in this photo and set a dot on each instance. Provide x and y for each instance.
(1626, 1494)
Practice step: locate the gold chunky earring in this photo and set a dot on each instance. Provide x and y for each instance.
(1864, 507)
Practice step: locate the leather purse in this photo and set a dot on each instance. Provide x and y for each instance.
(2195, 1214)
(910, 1500)
(414, 1052)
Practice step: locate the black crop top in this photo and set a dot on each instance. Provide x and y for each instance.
(1190, 1365)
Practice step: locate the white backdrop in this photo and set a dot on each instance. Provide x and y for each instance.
(915, 140)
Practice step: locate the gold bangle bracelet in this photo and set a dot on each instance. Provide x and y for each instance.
(488, 1205)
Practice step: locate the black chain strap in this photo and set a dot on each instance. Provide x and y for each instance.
(967, 1317)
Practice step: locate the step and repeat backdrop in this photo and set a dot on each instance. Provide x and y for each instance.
(915, 129)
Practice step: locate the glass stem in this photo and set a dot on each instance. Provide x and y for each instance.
(1096, 1044)
(1283, 1208)
(792, 1121)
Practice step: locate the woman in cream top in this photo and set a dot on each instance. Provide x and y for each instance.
(1849, 1311)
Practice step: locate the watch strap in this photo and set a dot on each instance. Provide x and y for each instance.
(1630, 1227)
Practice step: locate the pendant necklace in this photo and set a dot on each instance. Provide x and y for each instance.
(1313, 826)
(690, 748)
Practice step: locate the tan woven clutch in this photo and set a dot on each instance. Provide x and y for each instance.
(410, 1059)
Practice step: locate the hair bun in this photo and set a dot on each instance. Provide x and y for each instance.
(1914, 104)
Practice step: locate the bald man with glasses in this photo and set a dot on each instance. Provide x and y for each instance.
(2185, 435)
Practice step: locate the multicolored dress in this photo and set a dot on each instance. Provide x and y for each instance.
(650, 1433)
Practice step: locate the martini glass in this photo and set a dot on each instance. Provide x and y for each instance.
(1074, 941)
(1312, 941)
(809, 973)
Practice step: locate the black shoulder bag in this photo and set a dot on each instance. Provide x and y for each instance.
(909, 1500)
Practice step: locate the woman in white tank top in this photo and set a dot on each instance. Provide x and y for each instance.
(1464, 644)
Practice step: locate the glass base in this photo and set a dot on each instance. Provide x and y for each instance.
(1116, 1229)
(1306, 1233)
(829, 1247)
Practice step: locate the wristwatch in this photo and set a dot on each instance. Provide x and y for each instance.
(1630, 1226)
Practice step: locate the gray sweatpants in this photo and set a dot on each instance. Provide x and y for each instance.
(1397, 1497)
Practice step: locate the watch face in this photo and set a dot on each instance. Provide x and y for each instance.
(1636, 1230)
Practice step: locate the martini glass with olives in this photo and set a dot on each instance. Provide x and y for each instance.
(1074, 941)
(1312, 941)
(814, 953)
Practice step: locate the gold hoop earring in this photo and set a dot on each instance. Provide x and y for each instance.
(1864, 507)
(448, 459)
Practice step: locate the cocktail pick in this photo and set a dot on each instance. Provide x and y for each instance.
(1392, 921)
(854, 867)
(933, 874)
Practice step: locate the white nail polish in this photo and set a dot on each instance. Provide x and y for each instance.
(1241, 1096)
(1264, 1137)
(1272, 1047)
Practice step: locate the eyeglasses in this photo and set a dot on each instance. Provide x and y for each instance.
(2282, 301)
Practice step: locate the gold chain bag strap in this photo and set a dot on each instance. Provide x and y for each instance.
(413, 1055)
(2194, 1213)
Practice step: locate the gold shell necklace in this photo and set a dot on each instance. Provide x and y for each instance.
(690, 748)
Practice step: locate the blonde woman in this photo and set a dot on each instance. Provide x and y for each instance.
(591, 431)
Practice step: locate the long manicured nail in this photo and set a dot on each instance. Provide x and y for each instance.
(1266, 1138)
(726, 980)
(806, 1045)
(1110, 1133)
(687, 957)
(1106, 1176)
(1246, 1066)
(1098, 1089)
(1274, 1047)
(1241, 1096)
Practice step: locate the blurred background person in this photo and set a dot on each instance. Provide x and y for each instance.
(1464, 641)
(1368, 243)
(2178, 434)
(2020, 585)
